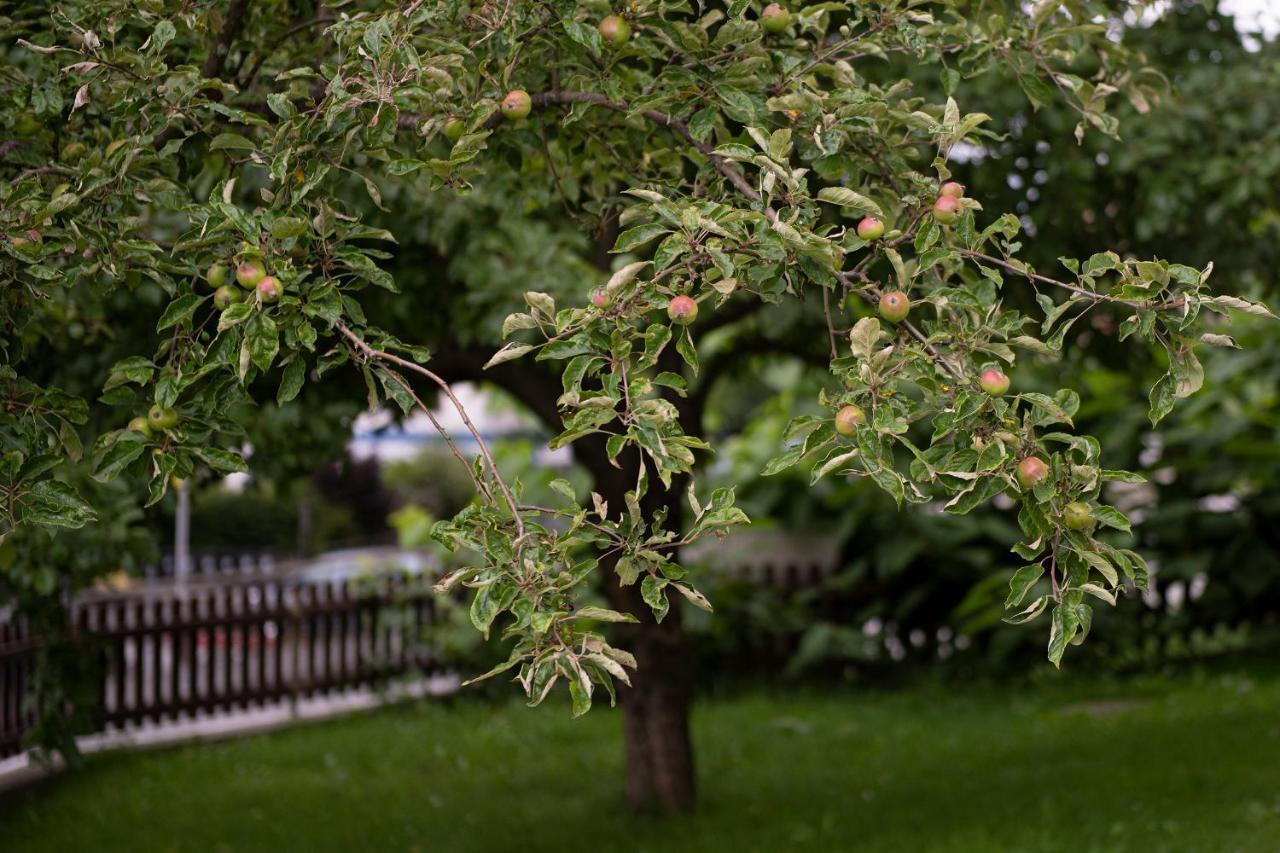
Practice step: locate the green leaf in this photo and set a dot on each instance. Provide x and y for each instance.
(118, 457)
(651, 590)
(848, 198)
(235, 314)
(634, 238)
(1021, 582)
(223, 461)
(231, 142)
(179, 311)
(291, 382)
(601, 614)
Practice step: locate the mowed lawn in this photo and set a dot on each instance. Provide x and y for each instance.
(1186, 763)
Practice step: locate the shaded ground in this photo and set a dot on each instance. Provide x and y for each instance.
(1186, 764)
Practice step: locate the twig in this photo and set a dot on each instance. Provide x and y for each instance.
(379, 355)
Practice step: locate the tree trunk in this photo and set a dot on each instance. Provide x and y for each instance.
(655, 709)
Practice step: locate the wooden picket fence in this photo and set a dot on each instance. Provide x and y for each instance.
(169, 655)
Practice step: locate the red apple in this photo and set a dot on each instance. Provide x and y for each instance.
(1031, 471)
(946, 209)
(951, 189)
(682, 310)
(249, 273)
(870, 229)
(849, 419)
(516, 105)
(894, 306)
(994, 382)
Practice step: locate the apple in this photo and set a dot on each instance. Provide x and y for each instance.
(1077, 516)
(225, 296)
(951, 189)
(600, 298)
(1031, 470)
(141, 425)
(774, 18)
(849, 419)
(614, 30)
(870, 229)
(516, 105)
(994, 382)
(269, 288)
(162, 417)
(74, 151)
(453, 129)
(946, 209)
(682, 310)
(31, 237)
(894, 306)
(217, 275)
(249, 273)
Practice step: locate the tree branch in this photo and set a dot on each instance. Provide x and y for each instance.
(231, 26)
(369, 353)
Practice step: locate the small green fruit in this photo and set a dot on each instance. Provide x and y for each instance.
(682, 310)
(994, 382)
(249, 273)
(1077, 516)
(946, 209)
(849, 419)
(226, 296)
(870, 229)
(1031, 470)
(516, 105)
(894, 306)
(453, 129)
(217, 275)
(141, 425)
(614, 30)
(269, 288)
(162, 417)
(774, 18)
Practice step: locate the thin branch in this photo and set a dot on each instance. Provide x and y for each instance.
(370, 353)
(231, 26)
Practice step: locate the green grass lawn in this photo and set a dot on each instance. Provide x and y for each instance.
(1190, 763)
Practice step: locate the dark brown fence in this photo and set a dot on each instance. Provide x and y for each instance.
(170, 655)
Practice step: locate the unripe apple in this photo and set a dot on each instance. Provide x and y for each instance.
(600, 298)
(894, 306)
(1077, 516)
(951, 189)
(162, 417)
(774, 18)
(870, 229)
(453, 129)
(614, 30)
(269, 288)
(217, 275)
(249, 273)
(849, 419)
(682, 310)
(994, 382)
(1031, 470)
(73, 150)
(141, 425)
(27, 124)
(946, 209)
(225, 296)
(516, 105)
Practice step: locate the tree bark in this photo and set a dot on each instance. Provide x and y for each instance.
(655, 709)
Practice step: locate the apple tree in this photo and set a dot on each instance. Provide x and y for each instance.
(255, 184)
